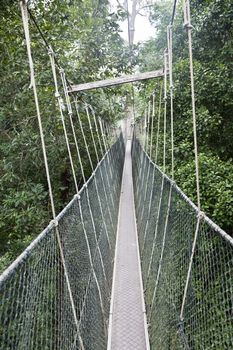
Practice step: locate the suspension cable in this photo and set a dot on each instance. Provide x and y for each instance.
(169, 45)
(165, 111)
(173, 12)
(70, 113)
(188, 26)
(152, 124)
(45, 41)
(158, 123)
(24, 12)
(60, 104)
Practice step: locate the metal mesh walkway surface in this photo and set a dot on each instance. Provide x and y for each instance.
(128, 328)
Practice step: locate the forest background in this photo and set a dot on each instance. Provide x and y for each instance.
(86, 38)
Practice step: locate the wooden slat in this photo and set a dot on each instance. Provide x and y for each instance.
(116, 81)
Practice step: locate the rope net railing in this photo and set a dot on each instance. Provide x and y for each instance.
(166, 221)
(36, 310)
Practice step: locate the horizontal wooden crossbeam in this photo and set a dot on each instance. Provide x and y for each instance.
(116, 81)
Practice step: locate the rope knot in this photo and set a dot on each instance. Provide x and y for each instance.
(57, 94)
(173, 183)
(201, 215)
(187, 25)
(77, 196)
(54, 222)
(50, 51)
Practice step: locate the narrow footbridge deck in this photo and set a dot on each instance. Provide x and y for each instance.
(128, 327)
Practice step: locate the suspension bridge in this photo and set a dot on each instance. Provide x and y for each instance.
(131, 262)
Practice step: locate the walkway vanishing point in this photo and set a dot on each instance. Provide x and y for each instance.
(128, 326)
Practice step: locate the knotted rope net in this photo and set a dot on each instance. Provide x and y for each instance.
(166, 231)
(35, 308)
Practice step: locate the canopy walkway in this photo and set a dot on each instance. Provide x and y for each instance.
(131, 263)
(39, 304)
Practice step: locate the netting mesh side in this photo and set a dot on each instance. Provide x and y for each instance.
(35, 304)
(208, 311)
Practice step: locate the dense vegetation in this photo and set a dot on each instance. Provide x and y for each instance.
(212, 48)
(85, 36)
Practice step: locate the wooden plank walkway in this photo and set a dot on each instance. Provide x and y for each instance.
(127, 327)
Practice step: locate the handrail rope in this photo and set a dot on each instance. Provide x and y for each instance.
(70, 113)
(188, 27)
(24, 12)
(214, 226)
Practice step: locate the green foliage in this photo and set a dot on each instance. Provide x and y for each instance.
(85, 38)
(216, 186)
(212, 49)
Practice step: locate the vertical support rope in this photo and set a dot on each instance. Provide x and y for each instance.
(24, 12)
(165, 111)
(188, 26)
(101, 173)
(152, 125)
(169, 45)
(150, 152)
(97, 190)
(162, 251)
(105, 147)
(164, 167)
(148, 126)
(156, 157)
(89, 156)
(60, 104)
(70, 113)
(158, 124)
(97, 132)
